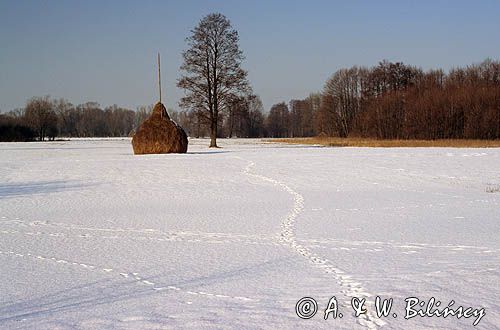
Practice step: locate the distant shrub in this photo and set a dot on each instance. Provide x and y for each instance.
(493, 188)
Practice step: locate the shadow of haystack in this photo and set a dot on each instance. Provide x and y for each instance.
(159, 134)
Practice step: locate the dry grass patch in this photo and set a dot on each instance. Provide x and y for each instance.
(362, 142)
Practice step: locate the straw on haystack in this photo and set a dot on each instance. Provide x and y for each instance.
(159, 134)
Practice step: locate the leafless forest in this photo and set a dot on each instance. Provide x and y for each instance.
(387, 101)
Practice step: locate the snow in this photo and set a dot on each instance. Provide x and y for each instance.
(92, 236)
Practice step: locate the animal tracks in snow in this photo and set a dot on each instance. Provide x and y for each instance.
(351, 287)
(80, 232)
(134, 234)
(136, 277)
(375, 246)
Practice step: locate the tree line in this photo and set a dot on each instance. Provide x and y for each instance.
(397, 101)
(391, 100)
(387, 101)
(46, 118)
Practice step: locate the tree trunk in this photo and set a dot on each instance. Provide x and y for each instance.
(213, 133)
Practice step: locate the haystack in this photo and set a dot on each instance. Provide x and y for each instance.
(159, 134)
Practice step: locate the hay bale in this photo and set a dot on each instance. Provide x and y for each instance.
(159, 134)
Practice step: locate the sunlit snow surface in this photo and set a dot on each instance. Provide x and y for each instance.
(94, 237)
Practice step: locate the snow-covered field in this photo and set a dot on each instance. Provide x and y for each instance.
(92, 236)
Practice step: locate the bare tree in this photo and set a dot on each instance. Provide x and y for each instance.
(41, 117)
(141, 114)
(278, 121)
(66, 117)
(212, 70)
(255, 117)
(342, 98)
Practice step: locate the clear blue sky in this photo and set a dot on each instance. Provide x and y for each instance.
(105, 51)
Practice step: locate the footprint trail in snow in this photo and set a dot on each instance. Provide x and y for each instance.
(351, 287)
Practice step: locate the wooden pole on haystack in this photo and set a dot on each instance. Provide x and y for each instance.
(159, 75)
(159, 79)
